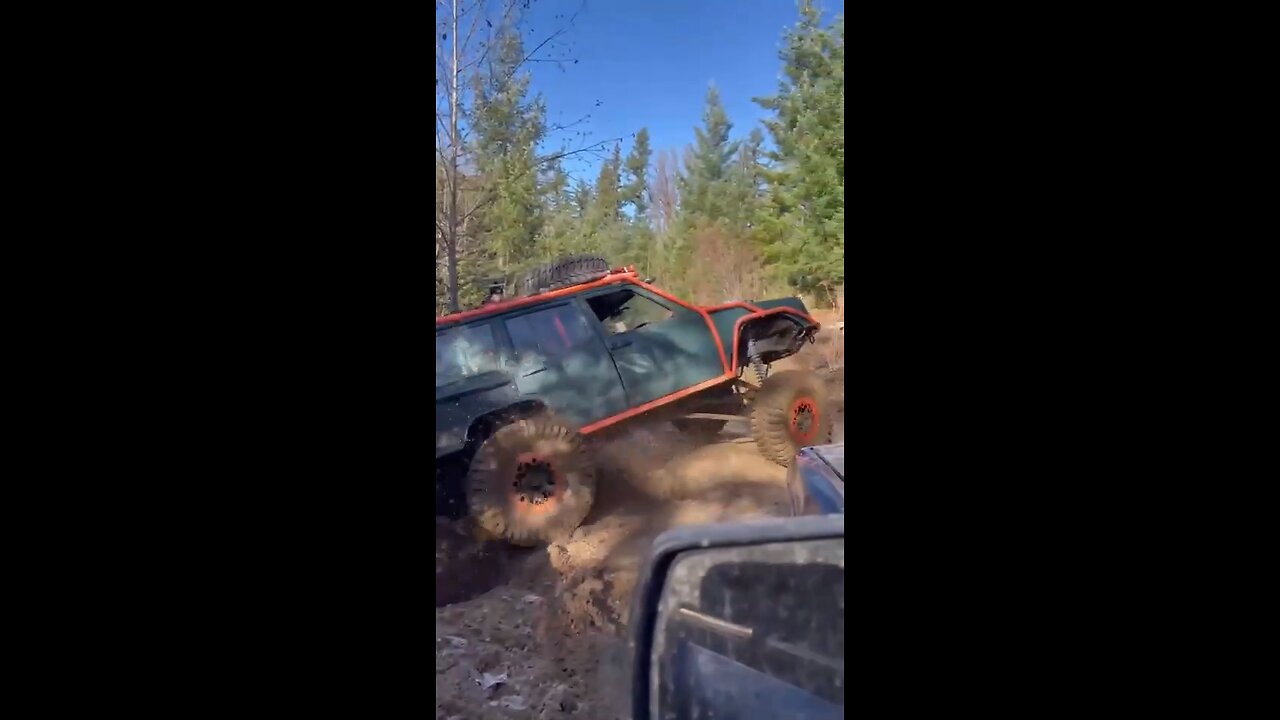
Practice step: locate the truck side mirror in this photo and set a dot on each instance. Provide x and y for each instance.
(742, 620)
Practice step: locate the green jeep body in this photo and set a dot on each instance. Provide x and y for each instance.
(601, 354)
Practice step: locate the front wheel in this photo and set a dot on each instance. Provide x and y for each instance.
(531, 481)
(790, 412)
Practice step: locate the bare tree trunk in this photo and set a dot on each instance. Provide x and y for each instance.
(456, 58)
(452, 244)
(665, 197)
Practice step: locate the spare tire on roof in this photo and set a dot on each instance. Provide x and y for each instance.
(564, 272)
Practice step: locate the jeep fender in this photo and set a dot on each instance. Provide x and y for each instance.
(464, 418)
(776, 333)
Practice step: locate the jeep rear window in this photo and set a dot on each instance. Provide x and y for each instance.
(464, 352)
(548, 334)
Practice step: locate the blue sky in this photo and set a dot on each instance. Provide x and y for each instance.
(647, 63)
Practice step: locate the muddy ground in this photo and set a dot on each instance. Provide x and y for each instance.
(541, 632)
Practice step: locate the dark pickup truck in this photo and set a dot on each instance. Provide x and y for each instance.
(815, 481)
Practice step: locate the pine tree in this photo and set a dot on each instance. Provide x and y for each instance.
(636, 191)
(803, 226)
(702, 187)
(499, 204)
(506, 129)
(555, 187)
(582, 199)
(608, 202)
(746, 187)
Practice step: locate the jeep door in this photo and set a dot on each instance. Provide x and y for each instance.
(560, 360)
(658, 346)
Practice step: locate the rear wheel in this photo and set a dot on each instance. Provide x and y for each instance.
(531, 481)
(790, 412)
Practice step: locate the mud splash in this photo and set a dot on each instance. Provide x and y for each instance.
(541, 632)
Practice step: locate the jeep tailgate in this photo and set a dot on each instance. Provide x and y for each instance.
(794, 303)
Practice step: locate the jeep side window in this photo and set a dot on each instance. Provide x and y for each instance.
(547, 335)
(463, 352)
(624, 310)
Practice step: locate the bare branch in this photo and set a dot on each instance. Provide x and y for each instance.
(563, 29)
(471, 31)
(463, 47)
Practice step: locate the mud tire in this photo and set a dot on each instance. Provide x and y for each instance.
(564, 272)
(781, 399)
(495, 504)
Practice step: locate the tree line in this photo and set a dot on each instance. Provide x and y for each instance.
(727, 219)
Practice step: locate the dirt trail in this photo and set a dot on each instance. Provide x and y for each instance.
(541, 633)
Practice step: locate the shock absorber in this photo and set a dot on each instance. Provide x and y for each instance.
(761, 370)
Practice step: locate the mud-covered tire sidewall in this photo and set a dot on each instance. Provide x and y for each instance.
(494, 506)
(771, 414)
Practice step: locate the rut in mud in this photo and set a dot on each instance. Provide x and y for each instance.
(537, 633)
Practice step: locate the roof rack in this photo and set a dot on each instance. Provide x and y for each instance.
(487, 307)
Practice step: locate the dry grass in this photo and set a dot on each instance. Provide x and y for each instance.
(724, 268)
(835, 349)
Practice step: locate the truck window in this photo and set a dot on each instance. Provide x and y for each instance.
(463, 352)
(547, 335)
(624, 310)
